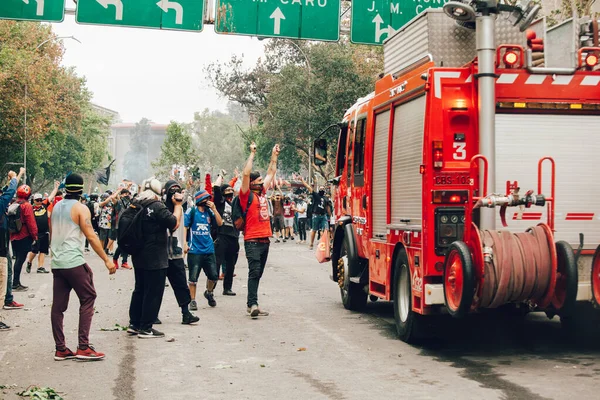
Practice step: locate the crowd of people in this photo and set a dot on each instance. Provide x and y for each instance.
(171, 231)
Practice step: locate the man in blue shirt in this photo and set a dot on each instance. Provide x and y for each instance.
(201, 250)
(6, 298)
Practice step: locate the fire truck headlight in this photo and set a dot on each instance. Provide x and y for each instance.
(591, 60)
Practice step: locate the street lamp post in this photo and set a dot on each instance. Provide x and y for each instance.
(27, 98)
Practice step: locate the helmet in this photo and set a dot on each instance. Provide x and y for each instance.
(23, 192)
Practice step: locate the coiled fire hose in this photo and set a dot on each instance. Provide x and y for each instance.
(518, 268)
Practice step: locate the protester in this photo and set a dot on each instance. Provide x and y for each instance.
(320, 221)
(301, 207)
(6, 297)
(278, 218)
(199, 221)
(24, 237)
(71, 224)
(42, 220)
(288, 215)
(92, 205)
(105, 220)
(123, 201)
(227, 245)
(257, 227)
(176, 269)
(151, 264)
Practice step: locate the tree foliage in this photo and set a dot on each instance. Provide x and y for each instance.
(177, 149)
(297, 90)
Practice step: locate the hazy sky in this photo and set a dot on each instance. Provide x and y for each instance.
(151, 73)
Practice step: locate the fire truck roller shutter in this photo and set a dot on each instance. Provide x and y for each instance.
(407, 156)
(521, 140)
(380, 174)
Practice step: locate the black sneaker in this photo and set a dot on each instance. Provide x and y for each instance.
(228, 293)
(277, 240)
(42, 270)
(150, 334)
(157, 322)
(189, 318)
(132, 330)
(4, 327)
(211, 298)
(20, 288)
(28, 269)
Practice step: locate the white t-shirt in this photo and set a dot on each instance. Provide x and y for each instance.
(301, 205)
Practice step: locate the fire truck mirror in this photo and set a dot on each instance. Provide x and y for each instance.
(320, 151)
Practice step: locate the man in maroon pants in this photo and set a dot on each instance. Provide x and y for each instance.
(71, 225)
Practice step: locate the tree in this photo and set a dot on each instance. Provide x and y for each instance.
(177, 149)
(136, 166)
(296, 91)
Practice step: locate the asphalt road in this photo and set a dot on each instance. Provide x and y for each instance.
(308, 348)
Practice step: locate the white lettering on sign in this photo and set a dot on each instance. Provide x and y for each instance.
(460, 152)
(428, 3)
(417, 282)
(398, 89)
(305, 3)
(395, 8)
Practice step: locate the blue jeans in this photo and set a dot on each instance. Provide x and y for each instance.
(205, 262)
(9, 296)
(257, 254)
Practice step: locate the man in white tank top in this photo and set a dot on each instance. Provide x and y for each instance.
(71, 224)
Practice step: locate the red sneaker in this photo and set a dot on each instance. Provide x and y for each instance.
(62, 355)
(116, 263)
(13, 306)
(221, 277)
(125, 265)
(89, 354)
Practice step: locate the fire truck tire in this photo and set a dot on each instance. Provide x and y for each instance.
(596, 278)
(407, 321)
(354, 295)
(459, 279)
(565, 296)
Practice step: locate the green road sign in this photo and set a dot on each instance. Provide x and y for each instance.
(186, 15)
(296, 19)
(33, 10)
(373, 21)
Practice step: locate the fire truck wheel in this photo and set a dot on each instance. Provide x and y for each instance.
(459, 279)
(565, 294)
(354, 297)
(407, 321)
(596, 278)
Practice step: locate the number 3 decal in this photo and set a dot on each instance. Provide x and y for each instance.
(460, 152)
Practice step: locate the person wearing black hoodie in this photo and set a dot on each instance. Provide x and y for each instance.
(176, 269)
(227, 245)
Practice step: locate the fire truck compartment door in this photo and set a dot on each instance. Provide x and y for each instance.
(407, 156)
(380, 175)
(574, 143)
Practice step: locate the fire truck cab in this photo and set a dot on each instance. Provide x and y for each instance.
(410, 179)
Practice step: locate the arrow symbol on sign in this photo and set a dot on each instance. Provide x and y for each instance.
(378, 21)
(40, 7)
(118, 7)
(277, 16)
(167, 5)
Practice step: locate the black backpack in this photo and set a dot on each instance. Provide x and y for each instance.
(131, 232)
(238, 215)
(13, 216)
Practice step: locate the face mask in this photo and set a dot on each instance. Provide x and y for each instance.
(203, 204)
(257, 187)
(228, 196)
(322, 192)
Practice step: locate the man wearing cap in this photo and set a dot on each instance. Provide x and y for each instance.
(42, 220)
(71, 225)
(257, 230)
(200, 220)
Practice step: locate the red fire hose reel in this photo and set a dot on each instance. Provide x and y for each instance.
(489, 269)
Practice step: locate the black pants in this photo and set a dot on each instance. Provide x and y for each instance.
(227, 249)
(20, 250)
(302, 227)
(118, 253)
(146, 297)
(178, 281)
(257, 254)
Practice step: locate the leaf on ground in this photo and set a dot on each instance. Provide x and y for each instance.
(302, 349)
(117, 327)
(38, 393)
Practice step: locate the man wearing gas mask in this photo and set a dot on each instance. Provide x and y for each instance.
(176, 269)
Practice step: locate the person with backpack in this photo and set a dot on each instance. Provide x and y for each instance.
(176, 270)
(71, 224)
(23, 233)
(6, 297)
(200, 221)
(143, 234)
(42, 219)
(257, 227)
(227, 244)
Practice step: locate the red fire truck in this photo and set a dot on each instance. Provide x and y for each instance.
(411, 181)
